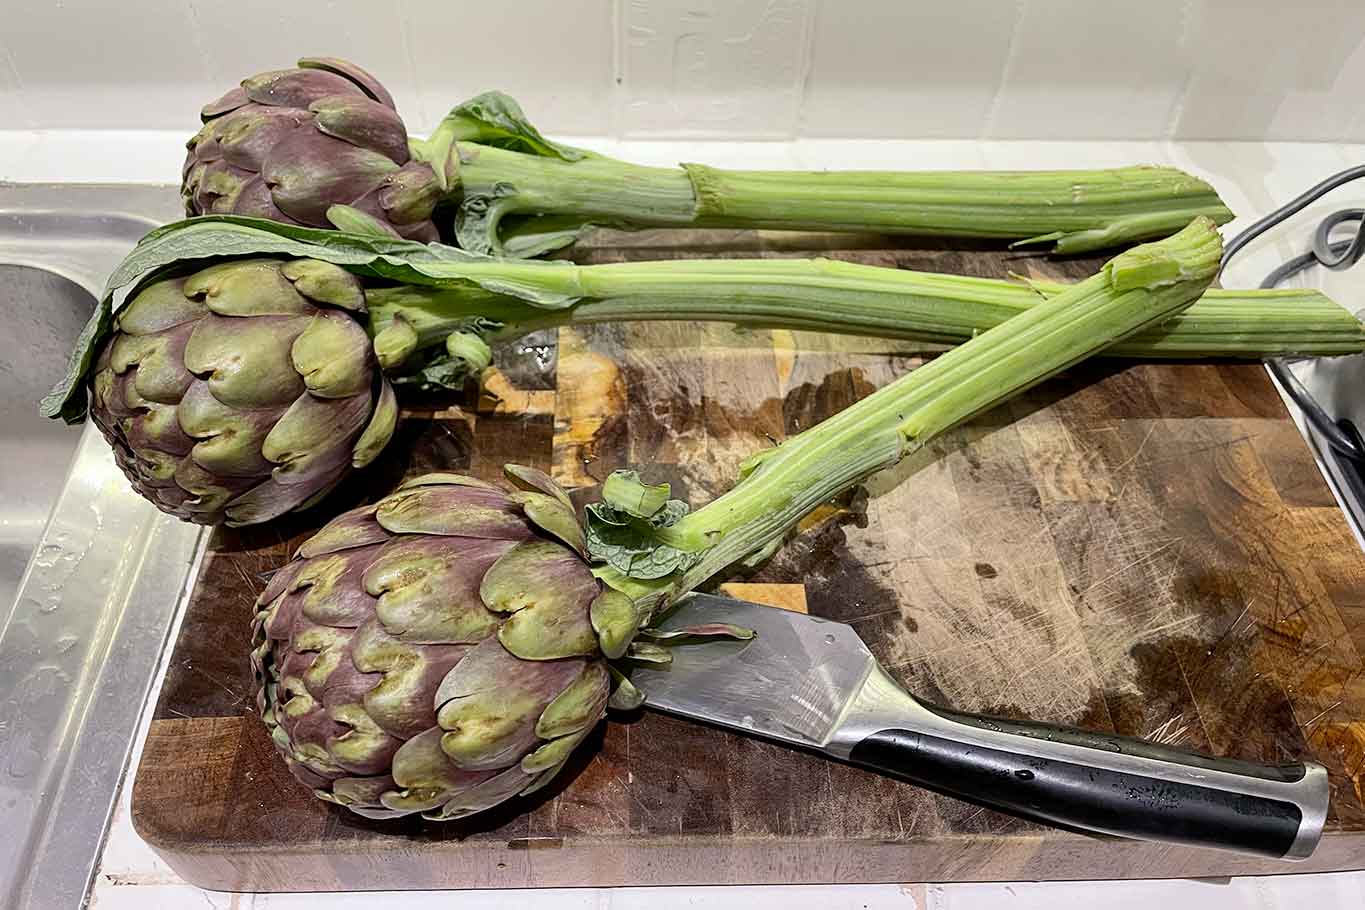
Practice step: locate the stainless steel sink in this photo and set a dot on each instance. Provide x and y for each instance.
(45, 313)
(1336, 384)
(91, 576)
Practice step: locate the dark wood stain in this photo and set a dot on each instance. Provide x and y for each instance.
(1142, 548)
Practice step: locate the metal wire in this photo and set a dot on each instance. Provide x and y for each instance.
(1336, 255)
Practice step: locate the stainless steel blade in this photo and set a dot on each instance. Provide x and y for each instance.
(791, 682)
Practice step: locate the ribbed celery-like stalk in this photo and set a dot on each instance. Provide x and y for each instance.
(829, 296)
(545, 198)
(1136, 289)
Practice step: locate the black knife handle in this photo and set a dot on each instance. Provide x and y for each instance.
(1079, 779)
(1105, 783)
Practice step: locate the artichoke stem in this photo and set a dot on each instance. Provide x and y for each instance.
(827, 296)
(1073, 211)
(1142, 286)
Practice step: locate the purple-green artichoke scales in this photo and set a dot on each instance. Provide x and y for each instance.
(291, 144)
(440, 651)
(242, 391)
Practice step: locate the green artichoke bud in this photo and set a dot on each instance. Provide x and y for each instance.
(433, 652)
(242, 391)
(470, 350)
(395, 342)
(292, 144)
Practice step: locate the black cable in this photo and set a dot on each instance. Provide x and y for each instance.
(1289, 209)
(1337, 255)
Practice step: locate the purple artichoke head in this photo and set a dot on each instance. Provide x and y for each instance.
(243, 390)
(440, 651)
(320, 146)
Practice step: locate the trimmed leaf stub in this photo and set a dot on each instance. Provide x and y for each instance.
(476, 220)
(625, 492)
(470, 348)
(396, 342)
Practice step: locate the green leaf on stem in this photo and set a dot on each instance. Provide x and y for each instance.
(627, 542)
(495, 119)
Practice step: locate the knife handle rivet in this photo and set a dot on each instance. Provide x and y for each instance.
(829, 639)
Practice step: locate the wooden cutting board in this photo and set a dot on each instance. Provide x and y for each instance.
(1147, 549)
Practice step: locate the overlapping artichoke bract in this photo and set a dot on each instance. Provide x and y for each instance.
(436, 652)
(291, 144)
(242, 391)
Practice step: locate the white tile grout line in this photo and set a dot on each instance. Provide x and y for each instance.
(807, 64)
(987, 127)
(1187, 17)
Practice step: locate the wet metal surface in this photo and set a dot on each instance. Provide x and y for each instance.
(91, 575)
(44, 314)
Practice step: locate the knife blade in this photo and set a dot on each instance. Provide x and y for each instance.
(813, 683)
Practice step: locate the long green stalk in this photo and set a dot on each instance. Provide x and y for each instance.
(1136, 289)
(828, 296)
(515, 203)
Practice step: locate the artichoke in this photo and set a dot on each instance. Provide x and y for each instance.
(322, 145)
(290, 145)
(435, 652)
(243, 390)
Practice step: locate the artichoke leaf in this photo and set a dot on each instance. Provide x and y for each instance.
(496, 119)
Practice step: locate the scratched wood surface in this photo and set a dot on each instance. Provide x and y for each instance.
(1141, 548)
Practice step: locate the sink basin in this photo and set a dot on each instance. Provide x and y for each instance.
(45, 313)
(91, 575)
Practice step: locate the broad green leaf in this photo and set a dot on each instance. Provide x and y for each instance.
(196, 242)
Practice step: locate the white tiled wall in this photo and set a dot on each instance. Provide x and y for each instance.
(735, 69)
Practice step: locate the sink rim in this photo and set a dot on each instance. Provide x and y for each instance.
(83, 641)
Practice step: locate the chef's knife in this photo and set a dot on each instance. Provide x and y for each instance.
(812, 683)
